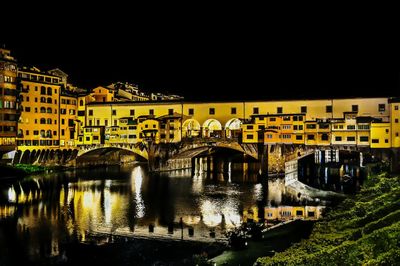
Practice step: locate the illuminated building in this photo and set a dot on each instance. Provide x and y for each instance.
(8, 101)
(48, 111)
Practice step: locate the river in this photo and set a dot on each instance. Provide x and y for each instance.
(41, 213)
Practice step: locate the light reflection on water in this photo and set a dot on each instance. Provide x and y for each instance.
(59, 207)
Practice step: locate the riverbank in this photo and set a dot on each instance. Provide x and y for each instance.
(363, 229)
(275, 240)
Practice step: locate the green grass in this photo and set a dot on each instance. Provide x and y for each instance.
(362, 230)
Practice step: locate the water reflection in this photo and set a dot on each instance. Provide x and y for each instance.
(42, 212)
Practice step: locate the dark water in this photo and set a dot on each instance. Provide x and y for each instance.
(40, 213)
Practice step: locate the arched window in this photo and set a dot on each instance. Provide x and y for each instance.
(49, 110)
(49, 91)
(49, 100)
(43, 90)
(49, 121)
(42, 99)
(48, 133)
(81, 103)
(42, 109)
(42, 133)
(42, 120)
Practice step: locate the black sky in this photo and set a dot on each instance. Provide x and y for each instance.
(203, 54)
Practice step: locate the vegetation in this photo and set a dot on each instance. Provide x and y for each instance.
(20, 170)
(362, 230)
(29, 168)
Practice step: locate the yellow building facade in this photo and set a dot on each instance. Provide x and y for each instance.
(341, 122)
(48, 113)
(9, 107)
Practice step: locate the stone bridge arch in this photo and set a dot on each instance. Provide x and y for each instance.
(139, 150)
(232, 128)
(191, 128)
(212, 128)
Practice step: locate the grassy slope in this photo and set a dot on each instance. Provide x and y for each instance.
(363, 230)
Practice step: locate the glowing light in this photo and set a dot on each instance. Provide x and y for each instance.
(211, 217)
(107, 202)
(12, 196)
(137, 177)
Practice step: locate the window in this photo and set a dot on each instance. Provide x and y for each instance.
(354, 108)
(396, 120)
(324, 137)
(397, 134)
(286, 118)
(27, 109)
(396, 107)
(49, 92)
(170, 111)
(255, 110)
(311, 126)
(90, 112)
(132, 112)
(27, 132)
(381, 107)
(171, 136)
(286, 126)
(36, 132)
(350, 127)
(63, 121)
(303, 109)
(42, 121)
(364, 139)
(42, 90)
(295, 127)
(279, 110)
(272, 119)
(299, 137)
(81, 103)
(151, 112)
(337, 138)
(211, 111)
(233, 110)
(250, 136)
(387, 131)
(363, 127)
(375, 140)
(250, 127)
(114, 112)
(329, 108)
(310, 137)
(106, 122)
(386, 141)
(300, 127)
(191, 111)
(351, 138)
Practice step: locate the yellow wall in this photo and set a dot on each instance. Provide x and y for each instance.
(34, 103)
(395, 122)
(380, 135)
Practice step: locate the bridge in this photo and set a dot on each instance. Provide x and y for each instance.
(99, 149)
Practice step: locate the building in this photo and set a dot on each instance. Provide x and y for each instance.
(48, 111)
(344, 123)
(9, 107)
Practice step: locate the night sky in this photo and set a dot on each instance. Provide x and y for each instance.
(206, 55)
